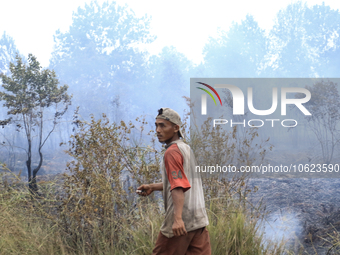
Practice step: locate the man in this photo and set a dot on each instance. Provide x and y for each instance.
(184, 228)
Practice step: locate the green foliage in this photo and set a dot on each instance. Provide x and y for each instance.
(30, 89)
(28, 93)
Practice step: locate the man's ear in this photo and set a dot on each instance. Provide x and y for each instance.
(176, 127)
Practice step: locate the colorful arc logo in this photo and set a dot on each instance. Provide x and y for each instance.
(209, 92)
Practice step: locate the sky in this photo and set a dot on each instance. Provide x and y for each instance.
(187, 25)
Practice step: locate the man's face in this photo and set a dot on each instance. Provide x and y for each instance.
(166, 131)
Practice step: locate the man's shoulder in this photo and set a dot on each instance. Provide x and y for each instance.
(173, 148)
(181, 143)
(178, 145)
(184, 146)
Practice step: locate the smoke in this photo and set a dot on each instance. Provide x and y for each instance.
(282, 226)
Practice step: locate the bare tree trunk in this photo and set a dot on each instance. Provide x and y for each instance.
(35, 171)
(29, 169)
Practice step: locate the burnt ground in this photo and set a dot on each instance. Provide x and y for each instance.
(313, 206)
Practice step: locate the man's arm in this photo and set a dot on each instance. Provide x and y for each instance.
(178, 200)
(149, 188)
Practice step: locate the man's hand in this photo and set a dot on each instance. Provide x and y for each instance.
(178, 200)
(146, 190)
(178, 228)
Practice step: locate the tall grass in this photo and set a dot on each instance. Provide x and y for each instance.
(233, 230)
(29, 227)
(32, 225)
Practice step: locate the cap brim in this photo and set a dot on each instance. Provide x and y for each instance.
(180, 134)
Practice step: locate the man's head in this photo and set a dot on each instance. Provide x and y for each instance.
(168, 123)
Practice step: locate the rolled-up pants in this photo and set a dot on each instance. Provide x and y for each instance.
(195, 242)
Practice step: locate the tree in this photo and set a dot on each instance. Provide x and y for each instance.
(30, 94)
(98, 56)
(290, 53)
(238, 52)
(324, 106)
(323, 29)
(168, 77)
(8, 51)
(304, 42)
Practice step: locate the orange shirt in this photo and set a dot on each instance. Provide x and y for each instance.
(173, 161)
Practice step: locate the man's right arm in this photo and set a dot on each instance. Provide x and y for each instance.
(149, 188)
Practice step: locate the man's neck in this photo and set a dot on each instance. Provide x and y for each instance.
(169, 142)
